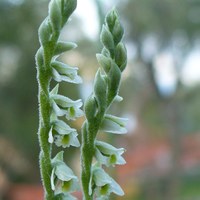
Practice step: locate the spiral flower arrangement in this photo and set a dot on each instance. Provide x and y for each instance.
(59, 181)
(113, 58)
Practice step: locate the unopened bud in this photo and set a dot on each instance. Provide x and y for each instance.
(121, 56)
(107, 40)
(55, 15)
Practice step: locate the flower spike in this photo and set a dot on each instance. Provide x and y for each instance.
(112, 61)
(58, 179)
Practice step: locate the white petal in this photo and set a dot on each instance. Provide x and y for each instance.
(56, 76)
(64, 173)
(57, 110)
(50, 139)
(100, 177)
(116, 188)
(111, 126)
(52, 179)
(119, 120)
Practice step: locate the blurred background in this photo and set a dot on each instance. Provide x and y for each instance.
(160, 87)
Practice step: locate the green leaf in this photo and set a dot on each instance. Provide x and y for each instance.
(62, 47)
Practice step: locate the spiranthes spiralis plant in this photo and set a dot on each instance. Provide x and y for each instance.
(58, 179)
(112, 60)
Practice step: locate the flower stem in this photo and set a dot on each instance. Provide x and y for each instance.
(45, 153)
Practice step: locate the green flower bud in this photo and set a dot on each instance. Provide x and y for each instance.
(117, 32)
(107, 40)
(100, 90)
(113, 81)
(39, 57)
(45, 32)
(105, 52)
(91, 108)
(121, 56)
(55, 15)
(68, 6)
(111, 18)
(104, 61)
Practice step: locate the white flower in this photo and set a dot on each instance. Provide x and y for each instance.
(113, 124)
(109, 155)
(63, 135)
(65, 106)
(63, 179)
(63, 72)
(104, 185)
